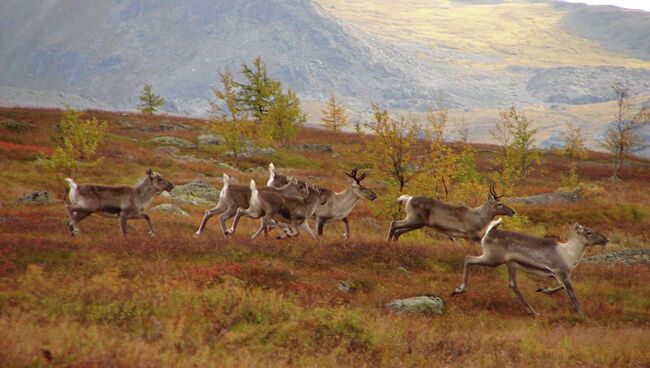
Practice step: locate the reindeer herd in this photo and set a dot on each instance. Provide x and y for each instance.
(288, 204)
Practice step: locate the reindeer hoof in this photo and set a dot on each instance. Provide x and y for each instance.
(196, 235)
(459, 290)
(533, 314)
(151, 234)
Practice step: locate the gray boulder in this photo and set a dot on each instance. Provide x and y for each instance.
(197, 192)
(311, 147)
(426, 304)
(172, 141)
(40, 197)
(168, 125)
(625, 256)
(549, 198)
(209, 139)
(170, 209)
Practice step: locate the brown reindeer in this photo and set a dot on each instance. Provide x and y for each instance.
(453, 221)
(274, 209)
(235, 196)
(121, 201)
(544, 257)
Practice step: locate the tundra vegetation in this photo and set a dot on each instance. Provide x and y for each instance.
(178, 301)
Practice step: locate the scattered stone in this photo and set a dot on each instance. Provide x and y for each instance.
(170, 209)
(336, 155)
(167, 126)
(626, 256)
(311, 147)
(124, 114)
(124, 123)
(198, 189)
(40, 197)
(549, 198)
(346, 286)
(426, 304)
(252, 151)
(172, 141)
(167, 150)
(209, 139)
(16, 126)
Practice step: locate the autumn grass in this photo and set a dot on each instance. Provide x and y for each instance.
(175, 301)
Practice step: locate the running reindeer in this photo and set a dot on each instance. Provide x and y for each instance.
(235, 196)
(338, 205)
(453, 221)
(122, 201)
(544, 257)
(276, 210)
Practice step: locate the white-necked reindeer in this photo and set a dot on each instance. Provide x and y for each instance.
(451, 220)
(544, 257)
(122, 201)
(235, 196)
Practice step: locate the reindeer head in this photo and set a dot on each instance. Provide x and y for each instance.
(158, 182)
(588, 236)
(296, 188)
(319, 192)
(359, 189)
(497, 207)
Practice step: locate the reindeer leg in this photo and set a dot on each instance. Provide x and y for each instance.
(483, 260)
(346, 233)
(123, 224)
(219, 209)
(230, 213)
(263, 225)
(309, 230)
(248, 212)
(397, 228)
(76, 214)
(565, 280)
(550, 291)
(145, 217)
(320, 223)
(512, 275)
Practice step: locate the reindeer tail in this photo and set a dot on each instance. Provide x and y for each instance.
(404, 198)
(271, 174)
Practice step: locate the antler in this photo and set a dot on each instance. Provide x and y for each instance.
(493, 191)
(353, 175)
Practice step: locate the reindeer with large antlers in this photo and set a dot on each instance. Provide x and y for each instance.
(451, 220)
(339, 205)
(544, 257)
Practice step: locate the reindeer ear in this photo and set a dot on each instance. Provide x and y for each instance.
(149, 172)
(577, 227)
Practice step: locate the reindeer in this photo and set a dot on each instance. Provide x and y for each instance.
(289, 212)
(545, 257)
(339, 205)
(122, 201)
(453, 221)
(234, 196)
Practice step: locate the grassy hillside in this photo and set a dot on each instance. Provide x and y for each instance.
(173, 300)
(514, 32)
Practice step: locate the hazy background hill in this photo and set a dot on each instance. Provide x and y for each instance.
(548, 57)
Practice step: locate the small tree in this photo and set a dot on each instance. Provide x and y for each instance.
(621, 137)
(463, 131)
(392, 152)
(76, 144)
(149, 101)
(574, 141)
(574, 147)
(334, 115)
(258, 94)
(284, 118)
(516, 136)
(437, 120)
(228, 119)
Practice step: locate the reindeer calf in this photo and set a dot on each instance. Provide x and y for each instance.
(543, 257)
